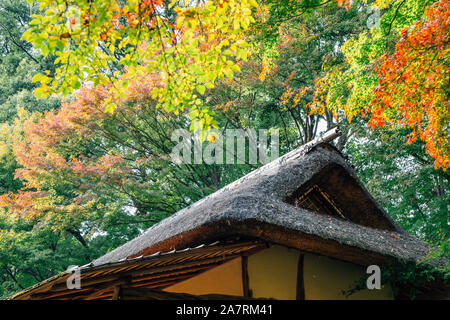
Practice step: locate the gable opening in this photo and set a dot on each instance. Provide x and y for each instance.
(335, 192)
(317, 200)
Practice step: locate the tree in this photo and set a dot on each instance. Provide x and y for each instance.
(276, 86)
(188, 52)
(19, 62)
(397, 74)
(413, 86)
(402, 178)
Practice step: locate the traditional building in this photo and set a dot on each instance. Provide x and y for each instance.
(300, 227)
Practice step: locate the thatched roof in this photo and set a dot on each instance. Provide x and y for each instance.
(260, 206)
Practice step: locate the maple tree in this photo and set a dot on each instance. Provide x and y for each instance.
(52, 157)
(397, 75)
(413, 85)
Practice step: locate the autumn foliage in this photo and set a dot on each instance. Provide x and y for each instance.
(394, 76)
(109, 42)
(49, 155)
(413, 85)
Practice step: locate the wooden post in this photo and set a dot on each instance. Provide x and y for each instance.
(300, 280)
(245, 282)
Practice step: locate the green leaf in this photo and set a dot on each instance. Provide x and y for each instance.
(110, 107)
(201, 89)
(37, 77)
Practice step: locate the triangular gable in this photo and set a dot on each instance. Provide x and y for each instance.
(334, 191)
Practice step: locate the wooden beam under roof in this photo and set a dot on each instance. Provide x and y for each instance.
(157, 271)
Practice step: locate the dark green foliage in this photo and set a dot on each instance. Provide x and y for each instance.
(403, 179)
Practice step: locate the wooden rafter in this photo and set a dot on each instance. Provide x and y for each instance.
(157, 272)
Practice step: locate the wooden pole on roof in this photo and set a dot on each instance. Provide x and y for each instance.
(330, 135)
